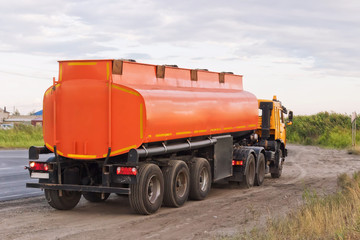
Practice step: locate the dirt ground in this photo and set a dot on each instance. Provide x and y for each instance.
(227, 210)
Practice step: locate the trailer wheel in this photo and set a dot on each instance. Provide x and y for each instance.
(67, 201)
(147, 194)
(260, 170)
(200, 179)
(278, 165)
(249, 176)
(95, 196)
(176, 183)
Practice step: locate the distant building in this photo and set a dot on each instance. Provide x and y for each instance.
(37, 121)
(3, 114)
(39, 113)
(20, 119)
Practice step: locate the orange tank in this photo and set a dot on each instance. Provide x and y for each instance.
(100, 104)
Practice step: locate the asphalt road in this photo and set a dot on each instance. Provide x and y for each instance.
(13, 176)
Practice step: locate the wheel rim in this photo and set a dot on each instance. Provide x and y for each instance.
(204, 179)
(153, 189)
(181, 184)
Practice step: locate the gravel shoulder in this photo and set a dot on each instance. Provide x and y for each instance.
(227, 210)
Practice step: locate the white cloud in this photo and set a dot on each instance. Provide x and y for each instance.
(295, 48)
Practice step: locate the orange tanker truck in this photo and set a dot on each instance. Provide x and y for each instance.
(160, 134)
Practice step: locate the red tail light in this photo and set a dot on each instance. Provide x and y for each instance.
(38, 166)
(126, 171)
(237, 163)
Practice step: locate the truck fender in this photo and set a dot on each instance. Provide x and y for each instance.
(281, 145)
(51, 159)
(256, 152)
(242, 154)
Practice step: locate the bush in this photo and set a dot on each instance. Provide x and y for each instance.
(323, 129)
(21, 136)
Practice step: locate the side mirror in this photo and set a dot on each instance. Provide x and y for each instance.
(290, 122)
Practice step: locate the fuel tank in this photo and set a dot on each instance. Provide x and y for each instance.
(97, 105)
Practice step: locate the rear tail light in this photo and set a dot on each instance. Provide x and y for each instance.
(126, 171)
(38, 166)
(237, 163)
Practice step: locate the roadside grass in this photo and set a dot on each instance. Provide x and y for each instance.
(323, 129)
(335, 216)
(21, 136)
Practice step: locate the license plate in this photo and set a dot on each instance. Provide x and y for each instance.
(39, 175)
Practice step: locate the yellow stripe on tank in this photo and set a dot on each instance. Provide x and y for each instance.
(200, 131)
(183, 133)
(50, 89)
(81, 63)
(141, 120)
(121, 150)
(126, 90)
(163, 135)
(107, 71)
(60, 72)
(215, 129)
(49, 147)
(81, 156)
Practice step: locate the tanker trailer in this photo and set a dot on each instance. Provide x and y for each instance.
(160, 134)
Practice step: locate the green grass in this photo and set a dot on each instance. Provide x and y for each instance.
(21, 136)
(322, 129)
(335, 216)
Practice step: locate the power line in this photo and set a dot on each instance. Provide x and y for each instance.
(25, 75)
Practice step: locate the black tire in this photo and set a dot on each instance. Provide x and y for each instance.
(260, 170)
(249, 175)
(147, 194)
(95, 196)
(200, 179)
(278, 165)
(67, 201)
(176, 183)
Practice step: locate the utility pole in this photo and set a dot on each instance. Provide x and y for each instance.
(353, 127)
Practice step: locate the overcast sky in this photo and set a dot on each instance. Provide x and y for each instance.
(305, 52)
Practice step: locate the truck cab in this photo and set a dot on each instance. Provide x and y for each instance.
(272, 132)
(277, 119)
